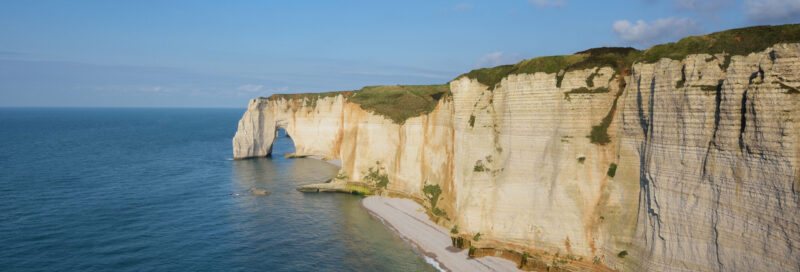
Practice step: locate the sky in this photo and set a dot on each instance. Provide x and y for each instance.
(223, 53)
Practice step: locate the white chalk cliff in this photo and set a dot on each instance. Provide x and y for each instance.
(706, 156)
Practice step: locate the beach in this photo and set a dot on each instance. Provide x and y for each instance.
(405, 218)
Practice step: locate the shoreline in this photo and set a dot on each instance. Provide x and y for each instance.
(406, 219)
(334, 162)
(432, 242)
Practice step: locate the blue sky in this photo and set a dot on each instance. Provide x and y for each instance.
(213, 54)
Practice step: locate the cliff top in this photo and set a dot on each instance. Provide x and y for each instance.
(309, 96)
(397, 102)
(740, 41)
(617, 57)
(400, 102)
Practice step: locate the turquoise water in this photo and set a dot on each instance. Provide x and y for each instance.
(154, 189)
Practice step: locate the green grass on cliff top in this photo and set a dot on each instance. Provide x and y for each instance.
(308, 96)
(741, 41)
(615, 57)
(400, 102)
(397, 102)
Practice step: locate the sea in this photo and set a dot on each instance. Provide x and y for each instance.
(144, 189)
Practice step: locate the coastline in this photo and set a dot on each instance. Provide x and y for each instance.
(405, 218)
(334, 162)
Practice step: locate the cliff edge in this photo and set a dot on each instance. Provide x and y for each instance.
(681, 157)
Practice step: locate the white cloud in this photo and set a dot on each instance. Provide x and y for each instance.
(498, 58)
(773, 11)
(463, 6)
(398, 74)
(548, 3)
(706, 8)
(152, 89)
(700, 5)
(283, 89)
(250, 88)
(658, 31)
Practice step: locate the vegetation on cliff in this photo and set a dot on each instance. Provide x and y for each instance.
(612, 170)
(599, 134)
(584, 90)
(740, 41)
(432, 192)
(308, 99)
(400, 102)
(396, 102)
(616, 57)
(377, 175)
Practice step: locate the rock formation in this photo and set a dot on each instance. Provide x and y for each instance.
(652, 161)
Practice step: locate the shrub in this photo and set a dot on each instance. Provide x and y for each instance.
(477, 237)
(454, 230)
(374, 175)
(433, 192)
(622, 254)
(599, 134)
(680, 83)
(584, 90)
(590, 78)
(581, 159)
(612, 170)
(524, 260)
(479, 167)
(472, 120)
(438, 212)
(559, 78)
(471, 252)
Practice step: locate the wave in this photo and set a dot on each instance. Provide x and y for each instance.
(433, 263)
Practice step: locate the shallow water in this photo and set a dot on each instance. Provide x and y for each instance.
(154, 189)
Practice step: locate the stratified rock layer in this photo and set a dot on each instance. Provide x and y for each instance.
(702, 172)
(718, 166)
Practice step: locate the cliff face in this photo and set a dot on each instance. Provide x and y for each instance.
(717, 162)
(372, 148)
(525, 171)
(701, 170)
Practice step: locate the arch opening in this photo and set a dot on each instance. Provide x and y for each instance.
(282, 144)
